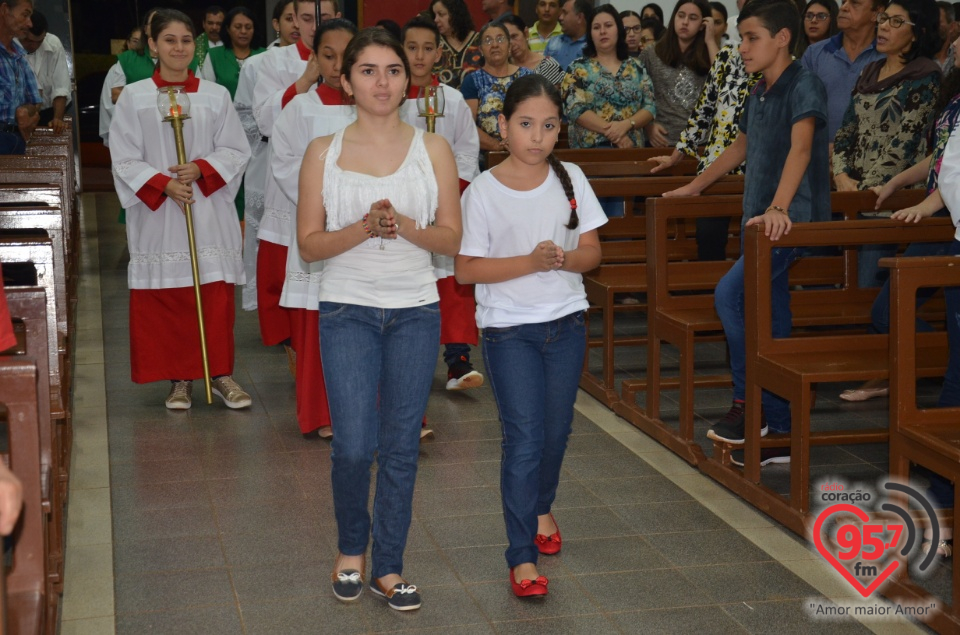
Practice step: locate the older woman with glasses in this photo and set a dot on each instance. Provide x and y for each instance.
(819, 23)
(885, 126)
(485, 88)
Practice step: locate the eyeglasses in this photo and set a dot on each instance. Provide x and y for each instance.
(896, 21)
(487, 41)
(816, 17)
(633, 29)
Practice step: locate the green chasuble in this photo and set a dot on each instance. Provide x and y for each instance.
(227, 67)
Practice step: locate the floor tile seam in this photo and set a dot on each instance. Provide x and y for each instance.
(610, 422)
(490, 620)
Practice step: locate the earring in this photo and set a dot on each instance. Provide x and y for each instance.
(278, 34)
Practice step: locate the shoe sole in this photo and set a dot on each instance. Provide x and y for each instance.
(772, 461)
(426, 433)
(473, 379)
(377, 592)
(344, 598)
(716, 437)
(232, 404)
(178, 406)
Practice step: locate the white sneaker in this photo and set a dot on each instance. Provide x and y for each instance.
(231, 392)
(179, 397)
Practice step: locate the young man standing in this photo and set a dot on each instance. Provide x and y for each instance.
(546, 26)
(785, 183)
(575, 17)
(458, 325)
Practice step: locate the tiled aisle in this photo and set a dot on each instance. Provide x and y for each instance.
(222, 521)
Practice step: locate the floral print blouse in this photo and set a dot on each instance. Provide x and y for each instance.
(453, 63)
(946, 124)
(489, 91)
(884, 131)
(714, 122)
(614, 97)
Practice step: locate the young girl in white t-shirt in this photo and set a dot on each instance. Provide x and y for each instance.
(529, 230)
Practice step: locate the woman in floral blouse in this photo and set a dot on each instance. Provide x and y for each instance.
(608, 97)
(485, 88)
(884, 129)
(714, 125)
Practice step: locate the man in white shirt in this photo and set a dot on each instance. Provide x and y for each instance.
(48, 60)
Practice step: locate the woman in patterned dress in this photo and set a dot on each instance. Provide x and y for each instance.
(459, 43)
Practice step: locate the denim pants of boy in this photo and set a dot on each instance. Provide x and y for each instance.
(534, 372)
(378, 366)
(729, 302)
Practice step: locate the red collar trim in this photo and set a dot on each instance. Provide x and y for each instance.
(303, 50)
(414, 90)
(191, 85)
(331, 96)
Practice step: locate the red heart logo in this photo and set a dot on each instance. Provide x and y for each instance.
(832, 559)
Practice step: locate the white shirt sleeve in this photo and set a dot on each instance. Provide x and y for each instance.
(60, 75)
(268, 92)
(114, 78)
(207, 72)
(466, 142)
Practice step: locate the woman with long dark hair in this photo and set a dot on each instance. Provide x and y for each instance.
(459, 41)
(819, 22)
(678, 66)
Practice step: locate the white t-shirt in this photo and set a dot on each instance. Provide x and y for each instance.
(499, 222)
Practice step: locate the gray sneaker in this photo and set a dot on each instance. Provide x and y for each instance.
(231, 392)
(179, 397)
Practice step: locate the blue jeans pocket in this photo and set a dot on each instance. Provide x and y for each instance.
(497, 334)
(331, 309)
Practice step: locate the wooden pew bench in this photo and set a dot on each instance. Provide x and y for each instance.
(683, 319)
(26, 580)
(28, 310)
(929, 437)
(791, 367)
(610, 280)
(581, 156)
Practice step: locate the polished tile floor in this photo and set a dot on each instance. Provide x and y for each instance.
(216, 521)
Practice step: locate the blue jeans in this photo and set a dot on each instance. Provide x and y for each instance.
(378, 367)
(869, 272)
(950, 395)
(12, 143)
(534, 371)
(880, 312)
(728, 300)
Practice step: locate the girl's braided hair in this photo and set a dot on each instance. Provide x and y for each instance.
(536, 85)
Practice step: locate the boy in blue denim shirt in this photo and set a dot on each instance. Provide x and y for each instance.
(787, 181)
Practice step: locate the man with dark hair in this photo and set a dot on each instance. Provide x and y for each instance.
(210, 38)
(19, 95)
(547, 25)
(48, 60)
(496, 9)
(838, 60)
(948, 33)
(329, 9)
(575, 17)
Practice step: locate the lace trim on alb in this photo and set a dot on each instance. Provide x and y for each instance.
(279, 214)
(184, 256)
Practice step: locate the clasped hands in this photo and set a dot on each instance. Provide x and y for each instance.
(180, 187)
(618, 133)
(547, 256)
(384, 220)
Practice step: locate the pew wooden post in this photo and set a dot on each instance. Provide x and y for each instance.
(928, 437)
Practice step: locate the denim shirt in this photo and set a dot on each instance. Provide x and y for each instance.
(18, 84)
(768, 120)
(830, 62)
(565, 50)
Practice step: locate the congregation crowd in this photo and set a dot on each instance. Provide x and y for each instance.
(368, 245)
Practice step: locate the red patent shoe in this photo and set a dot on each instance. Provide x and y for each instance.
(549, 545)
(529, 588)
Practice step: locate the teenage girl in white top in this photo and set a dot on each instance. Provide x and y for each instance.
(375, 200)
(529, 232)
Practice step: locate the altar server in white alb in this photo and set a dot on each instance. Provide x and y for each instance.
(318, 113)
(283, 74)
(164, 331)
(458, 326)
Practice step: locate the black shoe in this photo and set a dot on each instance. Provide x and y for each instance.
(461, 375)
(731, 428)
(348, 583)
(402, 597)
(768, 456)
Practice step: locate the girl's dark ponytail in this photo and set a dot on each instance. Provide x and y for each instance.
(564, 177)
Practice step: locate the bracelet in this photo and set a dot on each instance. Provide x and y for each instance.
(777, 208)
(366, 226)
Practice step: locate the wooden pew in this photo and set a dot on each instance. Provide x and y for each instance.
(28, 308)
(27, 579)
(591, 155)
(608, 281)
(790, 367)
(681, 318)
(925, 436)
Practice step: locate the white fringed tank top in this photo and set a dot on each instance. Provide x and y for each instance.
(387, 274)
